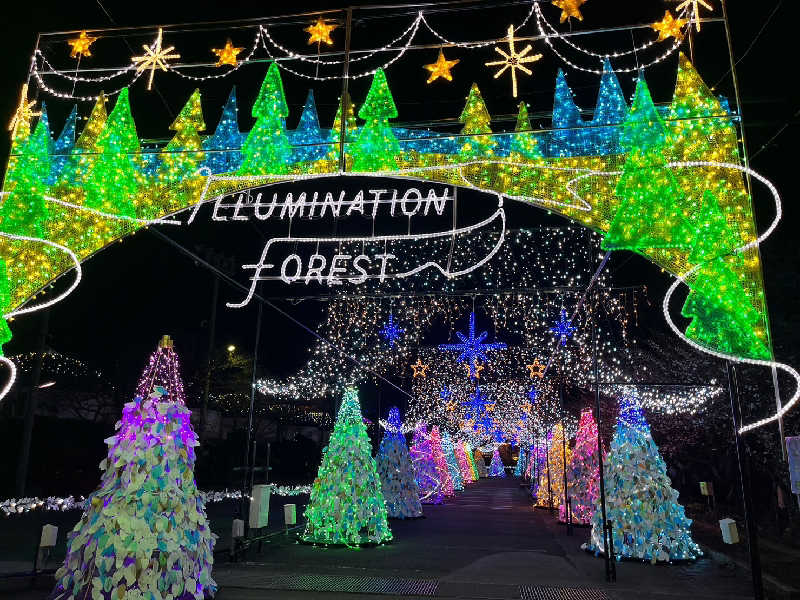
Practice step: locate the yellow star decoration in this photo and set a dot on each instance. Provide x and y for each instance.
(441, 68)
(451, 406)
(569, 9)
(24, 113)
(227, 55)
(536, 368)
(695, 9)
(467, 424)
(669, 27)
(474, 370)
(320, 32)
(154, 57)
(420, 370)
(526, 408)
(513, 60)
(80, 45)
(491, 407)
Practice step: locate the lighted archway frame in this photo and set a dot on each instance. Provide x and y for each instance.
(582, 188)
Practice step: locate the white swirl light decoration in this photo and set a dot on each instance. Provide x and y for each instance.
(75, 78)
(554, 33)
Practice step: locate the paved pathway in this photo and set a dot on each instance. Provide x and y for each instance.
(488, 542)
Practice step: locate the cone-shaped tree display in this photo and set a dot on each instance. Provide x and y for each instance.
(452, 462)
(63, 146)
(480, 463)
(267, 149)
(522, 463)
(609, 113)
(583, 472)
(445, 480)
(476, 120)
(567, 138)
(184, 153)
(144, 533)
(647, 521)
(350, 129)
(551, 482)
(377, 147)
(83, 154)
(426, 473)
(471, 457)
(308, 141)
(463, 464)
(346, 505)
(400, 491)
(496, 468)
(222, 149)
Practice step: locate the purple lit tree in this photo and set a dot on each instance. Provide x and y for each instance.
(426, 473)
(496, 469)
(144, 532)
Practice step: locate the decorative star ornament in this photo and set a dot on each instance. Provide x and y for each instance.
(24, 113)
(391, 331)
(420, 370)
(490, 407)
(227, 55)
(527, 407)
(80, 45)
(474, 370)
(154, 57)
(569, 9)
(451, 406)
(669, 27)
(513, 60)
(467, 424)
(441, 68)
(472, 347)
(320, 32)
(536, 368)
(694, 6)
(563, 328)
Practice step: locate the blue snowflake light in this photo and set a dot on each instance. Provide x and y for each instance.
(533, 394)
(445, 394)
(631, 414)
(476, 405)
(391, 332)
(563, 329)
(499, 436)
(472, 347)
(486, 423)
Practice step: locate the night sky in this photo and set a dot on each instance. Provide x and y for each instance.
(142, 288)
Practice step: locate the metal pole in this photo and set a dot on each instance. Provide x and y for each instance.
(30, 407)
(743, 460)
(212, 327)
(249, 436)
(611, 567)
(345, 89)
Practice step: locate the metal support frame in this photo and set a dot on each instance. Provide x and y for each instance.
(248, 466)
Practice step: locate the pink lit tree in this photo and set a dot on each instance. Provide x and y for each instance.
(583, 472)
(445, 480)
(463, 463)
(144, 532)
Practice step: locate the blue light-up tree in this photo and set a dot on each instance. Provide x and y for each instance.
(62, 148)
(452, 462)
(568, 136)
(609, 113)
(647, 521)
(496, 468)
(400, 490)
(522, 463)
(308, 141)
(472, 347)
(223, 148)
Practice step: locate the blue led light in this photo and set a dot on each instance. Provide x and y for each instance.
(472, 347)
(563, 328)
(391, 332)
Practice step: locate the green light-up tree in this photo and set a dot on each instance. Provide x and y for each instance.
(476, 120)
(346, 504)
(5, 302)
(24, 211)
(184, 153)
(114, 178)
(350, 128)
(267, 149)
(652, 211)
(377, 148)
(83, 155)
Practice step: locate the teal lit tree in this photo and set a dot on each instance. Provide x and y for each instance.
(452, 462)
(647, 522)
(267, 149)
(307, 139)
(609, 113)
(62, 148)
(567, 137)
(114, 179)
(723, 317)
(183, 154)
(144, 532)
(24, 210)
(522, 463)
(652, 212)
(346, 504)
(223, 148)
(400, 491)
(377, 147)
(84, 153)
